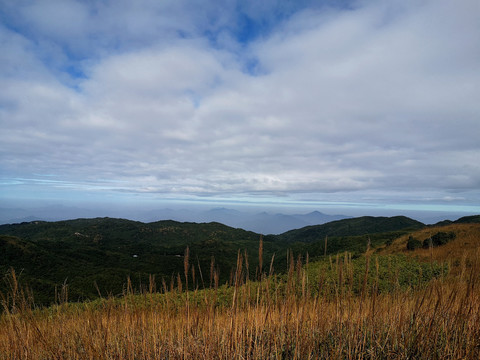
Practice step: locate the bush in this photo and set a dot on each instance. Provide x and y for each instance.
(413, 243)
(439, 239)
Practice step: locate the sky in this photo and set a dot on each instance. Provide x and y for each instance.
(372, 105)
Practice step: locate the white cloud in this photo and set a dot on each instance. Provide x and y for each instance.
(381, 98)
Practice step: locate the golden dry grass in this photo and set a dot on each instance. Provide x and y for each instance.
(440, 321)
(269, 319)
(464, 247)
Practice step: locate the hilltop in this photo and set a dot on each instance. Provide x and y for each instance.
(351, 227)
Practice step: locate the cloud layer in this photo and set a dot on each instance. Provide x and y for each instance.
(364, 100)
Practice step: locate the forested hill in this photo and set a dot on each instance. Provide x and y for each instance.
(350, 227)
(473, 219)
(103, 252)
(92, 255)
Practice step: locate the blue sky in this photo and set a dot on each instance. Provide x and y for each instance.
(369, 105)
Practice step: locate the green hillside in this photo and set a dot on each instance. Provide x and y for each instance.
(353, 235)
(468, 220)
(351, 227)
(106, 251)
(92, 255)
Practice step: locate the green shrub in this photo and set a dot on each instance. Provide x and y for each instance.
(413, 243)
(439, 239)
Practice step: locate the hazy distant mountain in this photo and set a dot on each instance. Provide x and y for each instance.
(10, 215)
(24, 219)
(46, 213)
(223, 215)
(266, 223)
(316, 218)
(263, 223)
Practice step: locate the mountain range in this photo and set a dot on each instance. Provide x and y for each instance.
(262, 223)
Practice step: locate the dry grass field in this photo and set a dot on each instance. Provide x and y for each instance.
(279, 317)
(464, 248)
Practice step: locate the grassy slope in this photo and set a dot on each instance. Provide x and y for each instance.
(464, 248)
(351, 235)
(314, 311)
(305, 314)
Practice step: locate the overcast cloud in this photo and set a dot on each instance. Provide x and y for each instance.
(340, 101)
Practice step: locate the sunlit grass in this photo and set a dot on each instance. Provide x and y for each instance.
(341, 308)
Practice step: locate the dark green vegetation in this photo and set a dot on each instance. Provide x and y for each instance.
(95, 256)
(352, 235)
(468, 220)
(473, 219)
(439, 239)
(413, 243)
(351, 227)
